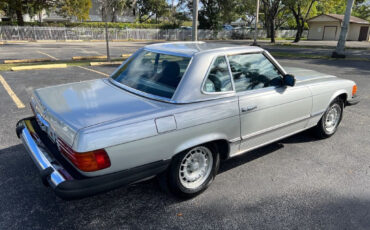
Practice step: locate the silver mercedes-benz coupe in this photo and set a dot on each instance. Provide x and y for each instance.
(175, 110)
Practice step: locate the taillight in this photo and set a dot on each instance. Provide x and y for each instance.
(354, 90)
(88, 161)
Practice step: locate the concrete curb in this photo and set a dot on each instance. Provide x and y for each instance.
(14, 42)
(32, 67)
(45, 41)
(105, 63)
(88, 57)
(27, 60)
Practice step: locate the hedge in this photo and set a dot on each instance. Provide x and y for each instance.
(96, 25)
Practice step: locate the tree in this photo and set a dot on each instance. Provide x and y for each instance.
(361, 9)
(149, 8)
(75, 8)
(116, 7)
(15, 9)
(301, 10)
(38, 6)
(247, 10)
(331, 7)
(214, 13)
(210, 15)
(271, 9)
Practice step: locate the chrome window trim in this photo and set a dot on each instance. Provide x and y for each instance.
(206, 77)
(141, 93)
(274, 62)
(230, 72)
(167, 52)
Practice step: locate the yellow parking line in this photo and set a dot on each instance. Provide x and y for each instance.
(11, 93)
(95, 71)
(48, 55)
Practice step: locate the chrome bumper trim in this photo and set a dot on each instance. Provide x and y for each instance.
(40, 157)
(353, 101)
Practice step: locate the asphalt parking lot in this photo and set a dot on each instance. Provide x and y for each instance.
(65, 51)
(298, 183)
(60, 51)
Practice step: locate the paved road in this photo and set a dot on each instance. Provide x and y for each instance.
(65, 51)
(300, 183)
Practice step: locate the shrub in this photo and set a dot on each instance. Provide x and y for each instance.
(96, 25)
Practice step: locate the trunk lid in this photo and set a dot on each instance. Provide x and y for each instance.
(71, 107)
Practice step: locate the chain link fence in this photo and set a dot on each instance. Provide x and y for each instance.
(84, 33)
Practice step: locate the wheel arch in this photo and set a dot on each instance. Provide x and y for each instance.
(219, 140)
(342, 94)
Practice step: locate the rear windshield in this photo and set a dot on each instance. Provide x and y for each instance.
(154, 73)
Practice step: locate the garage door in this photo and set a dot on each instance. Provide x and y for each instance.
(329, 33)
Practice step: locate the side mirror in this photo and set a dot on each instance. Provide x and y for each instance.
(289, 80)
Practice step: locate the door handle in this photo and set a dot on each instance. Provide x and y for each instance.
(249, 108)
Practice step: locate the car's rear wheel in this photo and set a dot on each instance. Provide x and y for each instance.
(192, 171)
(331, 119)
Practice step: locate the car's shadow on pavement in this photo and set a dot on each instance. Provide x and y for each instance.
(306, 136)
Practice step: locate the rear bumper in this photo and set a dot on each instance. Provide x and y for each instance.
(68, 184)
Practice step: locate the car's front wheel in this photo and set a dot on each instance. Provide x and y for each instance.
(329, 122)
(193, 170)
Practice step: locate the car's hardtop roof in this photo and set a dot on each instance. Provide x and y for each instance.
(188, 49)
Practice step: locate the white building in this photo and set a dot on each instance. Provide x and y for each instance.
(328, 26)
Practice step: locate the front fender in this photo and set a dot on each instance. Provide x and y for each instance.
(337, 93)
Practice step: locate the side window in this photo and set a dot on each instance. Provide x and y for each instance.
(218, 79)
(253, 71)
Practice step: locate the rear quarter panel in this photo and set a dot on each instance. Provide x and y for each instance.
(196, 123)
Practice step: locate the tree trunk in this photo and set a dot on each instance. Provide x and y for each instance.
(300, 27)
(272, 30)
(339, 51)
(19, 14)
(268, 31)
(40, 16)
(298, 35)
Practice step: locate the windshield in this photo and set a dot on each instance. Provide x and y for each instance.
(153, 73)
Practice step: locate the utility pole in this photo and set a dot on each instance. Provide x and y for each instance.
(256, 24)
(339, 51)
(106, 30)
(194, 29)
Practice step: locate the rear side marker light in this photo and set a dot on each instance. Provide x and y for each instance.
(88, 161)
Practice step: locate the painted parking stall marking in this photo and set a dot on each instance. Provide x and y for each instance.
(11, 93)
(48, 55)
(95, 71)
